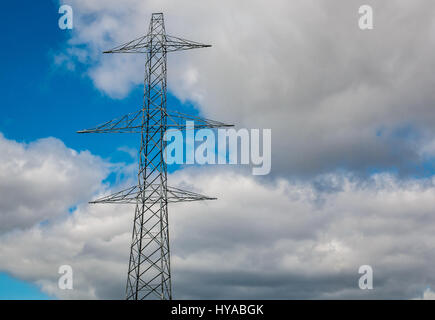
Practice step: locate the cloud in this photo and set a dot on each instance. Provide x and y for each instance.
(260, 239)
(334, 96)
(428, 294)
(280, 241)
(42, 180)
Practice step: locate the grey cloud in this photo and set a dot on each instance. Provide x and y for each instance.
(258, 240)
(334, 96)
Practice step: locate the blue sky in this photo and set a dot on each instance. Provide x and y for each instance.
(40, 99)
(13, 289)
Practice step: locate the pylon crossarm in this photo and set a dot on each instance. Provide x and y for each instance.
(132, 123)
(178, 44)
(144, 45)
(152, 194)
(177, 120)
(138, 45)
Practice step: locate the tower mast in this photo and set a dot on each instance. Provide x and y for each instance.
(149, 271)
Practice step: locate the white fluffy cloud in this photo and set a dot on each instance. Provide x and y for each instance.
(335, 96)
(43, 179)
(260, 239)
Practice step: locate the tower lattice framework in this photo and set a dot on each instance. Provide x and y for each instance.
(149, 270)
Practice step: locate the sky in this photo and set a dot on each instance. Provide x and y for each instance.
(353, 148)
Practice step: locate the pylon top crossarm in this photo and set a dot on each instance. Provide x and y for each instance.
(169, 44)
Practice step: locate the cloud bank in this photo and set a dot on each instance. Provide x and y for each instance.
(280, 239)
(43, 179)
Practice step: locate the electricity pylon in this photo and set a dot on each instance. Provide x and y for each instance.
(149, 272)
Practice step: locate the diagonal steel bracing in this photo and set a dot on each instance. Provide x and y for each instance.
(149, 272)
(132, 195)
(132, 122)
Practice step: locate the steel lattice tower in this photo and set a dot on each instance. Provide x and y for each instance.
(149, 271)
